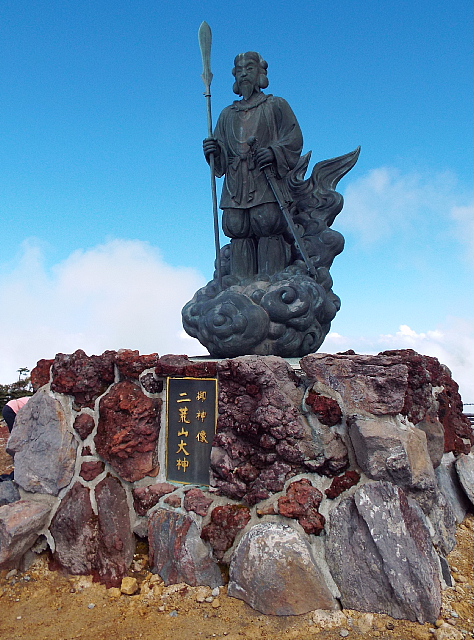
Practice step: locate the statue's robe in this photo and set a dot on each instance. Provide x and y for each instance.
(272, 122)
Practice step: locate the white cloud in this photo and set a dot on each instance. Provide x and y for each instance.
(117, 295)
(452, 344)
(462, 230)
(387, 201)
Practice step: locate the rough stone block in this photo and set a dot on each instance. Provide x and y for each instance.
(100, 544)
(144, 498)
(177, 552)
(342, 483)
(20, 524)
(8, 492)
(74, 529)
(90, 470)
(302, 501)
(131, 364)
(201, 369)
(84, 425)
(116, 542)
(448, 483)
(368, 384)
(174, 500)
(443, 521)
(392, 382)
(388, 449)
(326, 409)
(381, 556)
(43, 448)
(263, 439)
(465, 469)
(150, 383)
(82, 376)
(172, 365)
(41, 374)
(226, 522)
(128, 429)
(433, 429)
(197, 501)
(274, 571)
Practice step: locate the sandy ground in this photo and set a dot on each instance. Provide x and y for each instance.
(40, 604)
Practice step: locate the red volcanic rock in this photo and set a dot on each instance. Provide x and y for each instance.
(342, 483)
(131, 364)
(128, 429)
(202, 369)
(86, 451)
(145, 498)
(151, 384)
(82, 376)
(173, 500)
(84, 425)
(197, 501)
(326, 409)
(262, 437)
(90, 470)
(226, 522)
(172, 365)
(301, 502)
(41, 373)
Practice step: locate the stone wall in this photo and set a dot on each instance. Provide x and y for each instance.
(339, 483)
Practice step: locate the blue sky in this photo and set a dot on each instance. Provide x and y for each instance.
(106, 224)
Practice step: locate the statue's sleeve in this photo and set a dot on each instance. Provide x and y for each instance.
(288, 142)
(220, 160)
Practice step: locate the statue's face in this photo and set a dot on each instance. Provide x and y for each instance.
(246, 76)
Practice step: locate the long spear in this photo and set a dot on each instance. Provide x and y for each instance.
(205, 42)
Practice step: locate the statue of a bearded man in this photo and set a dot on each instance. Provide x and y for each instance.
(257, 131)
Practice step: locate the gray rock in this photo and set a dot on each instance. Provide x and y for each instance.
(86, 543)
(367, 384)
(116, 542)
(465, 469)
(20, 523)
(177, 552)
(8, 492)
(44, 450)
(448, 483)
(74, 530)
(274, 571)
(388, 449)
(381, 557)
(443, 521)
(434, 432)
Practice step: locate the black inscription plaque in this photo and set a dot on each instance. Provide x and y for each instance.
(191, 426)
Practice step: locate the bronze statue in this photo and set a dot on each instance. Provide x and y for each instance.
(272, 290)
(252, 217)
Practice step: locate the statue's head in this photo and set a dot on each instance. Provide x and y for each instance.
(250, 72)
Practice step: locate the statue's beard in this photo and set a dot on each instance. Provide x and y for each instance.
(246, 89)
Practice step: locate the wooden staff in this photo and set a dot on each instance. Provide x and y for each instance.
(205, 42)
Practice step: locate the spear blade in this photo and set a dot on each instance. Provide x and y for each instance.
(205, 43)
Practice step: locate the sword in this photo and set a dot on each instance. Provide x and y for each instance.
(205, 42)
(271, 179)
